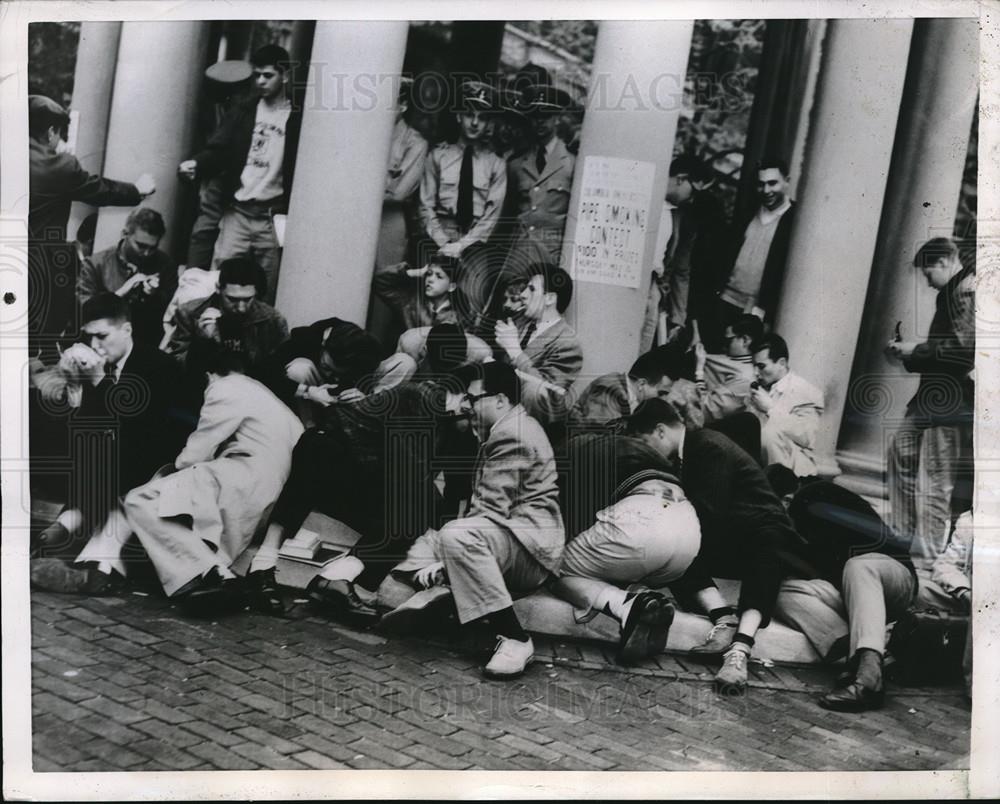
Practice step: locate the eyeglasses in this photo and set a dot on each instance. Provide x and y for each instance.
(472, 399)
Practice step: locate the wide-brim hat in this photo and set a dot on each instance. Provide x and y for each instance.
(541, 99)
(230, 71)
(478, 96)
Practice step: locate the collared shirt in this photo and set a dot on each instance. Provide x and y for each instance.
(680, 446)
(120, 365)
(541, 326)
(633, 397)
(406, 162)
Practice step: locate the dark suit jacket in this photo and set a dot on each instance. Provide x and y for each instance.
(226, 151)
(56, 180)
(745, 532)
(307, 342)
(137, 418)
(600, 469)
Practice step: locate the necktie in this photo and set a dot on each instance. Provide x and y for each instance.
(109, 372)
(463, 213)
(540, 159)
(526, 336)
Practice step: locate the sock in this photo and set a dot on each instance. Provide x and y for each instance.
(869, 672)
(614, 602)
(266, 558)
(71, 519)
(743, 639)
(506, 624)
(225, 573)
(723, 611)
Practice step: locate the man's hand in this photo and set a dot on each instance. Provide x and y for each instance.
(431, 575)
(900, 350)
(416, 273)
(150, 284)
(146, 185)
(320, 394)
(130, 284)
(964, 597)
(208, 323)
(351, 395)
(81, 363)
(188, 170)
(452, 249)
(761, 399)
(508, 338)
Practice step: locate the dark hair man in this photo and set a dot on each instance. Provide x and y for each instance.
(744, 529)
(56, 180)
(121, 391)
(615, 395)
(928, 452)
(137, 270)
(758, 267)
(511, 537)
(233, 315)
(254, 149)
(546, 352)
(789, 408)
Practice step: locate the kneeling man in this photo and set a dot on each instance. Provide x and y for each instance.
(194, 522)
(640, 529)
(512, 535)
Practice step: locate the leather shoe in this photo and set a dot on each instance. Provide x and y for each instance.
(211, 595)
(510, 658)
(264, 593)
(855, 697)
(426, 607)
(646, 627)
(339, 600)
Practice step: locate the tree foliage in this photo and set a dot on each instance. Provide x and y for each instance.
(52, 59)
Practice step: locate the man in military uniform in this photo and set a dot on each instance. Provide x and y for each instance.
(465, 182)
(541, 180)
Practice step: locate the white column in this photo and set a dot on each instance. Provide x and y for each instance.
(153, 117)
(336, 201)
(632, 112)
(838, 208)
(922, 196)
(93, 78)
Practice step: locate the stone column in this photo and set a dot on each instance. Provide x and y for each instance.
(925, 181)
(840, 199)
(93, 79)
(153, 118)
(632, 111)
(336, 200)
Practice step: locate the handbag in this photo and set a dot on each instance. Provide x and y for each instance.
(927, 646)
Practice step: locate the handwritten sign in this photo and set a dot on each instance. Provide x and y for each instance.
(612, 221)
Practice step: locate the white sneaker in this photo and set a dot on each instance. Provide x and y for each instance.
(510, 658)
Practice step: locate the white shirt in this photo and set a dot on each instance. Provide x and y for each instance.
(541, 326)
(262, 179)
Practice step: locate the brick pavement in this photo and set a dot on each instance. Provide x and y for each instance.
(127, 684)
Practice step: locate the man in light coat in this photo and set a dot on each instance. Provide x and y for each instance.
(510, 539)
(789, 408)
(230, 471)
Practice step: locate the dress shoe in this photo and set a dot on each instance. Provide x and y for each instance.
(510, 658)
(55, 537)
(56, 575)
(732, 676)
(212, 595)
(645, 630)
(718, 640)
(264, 593)
(340, 600)
(855, 697)
(425, 608)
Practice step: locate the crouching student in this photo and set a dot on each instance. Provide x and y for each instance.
(635, 527)
(195, 520)
(510, 539)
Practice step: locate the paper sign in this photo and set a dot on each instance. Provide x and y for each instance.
(612, 221)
